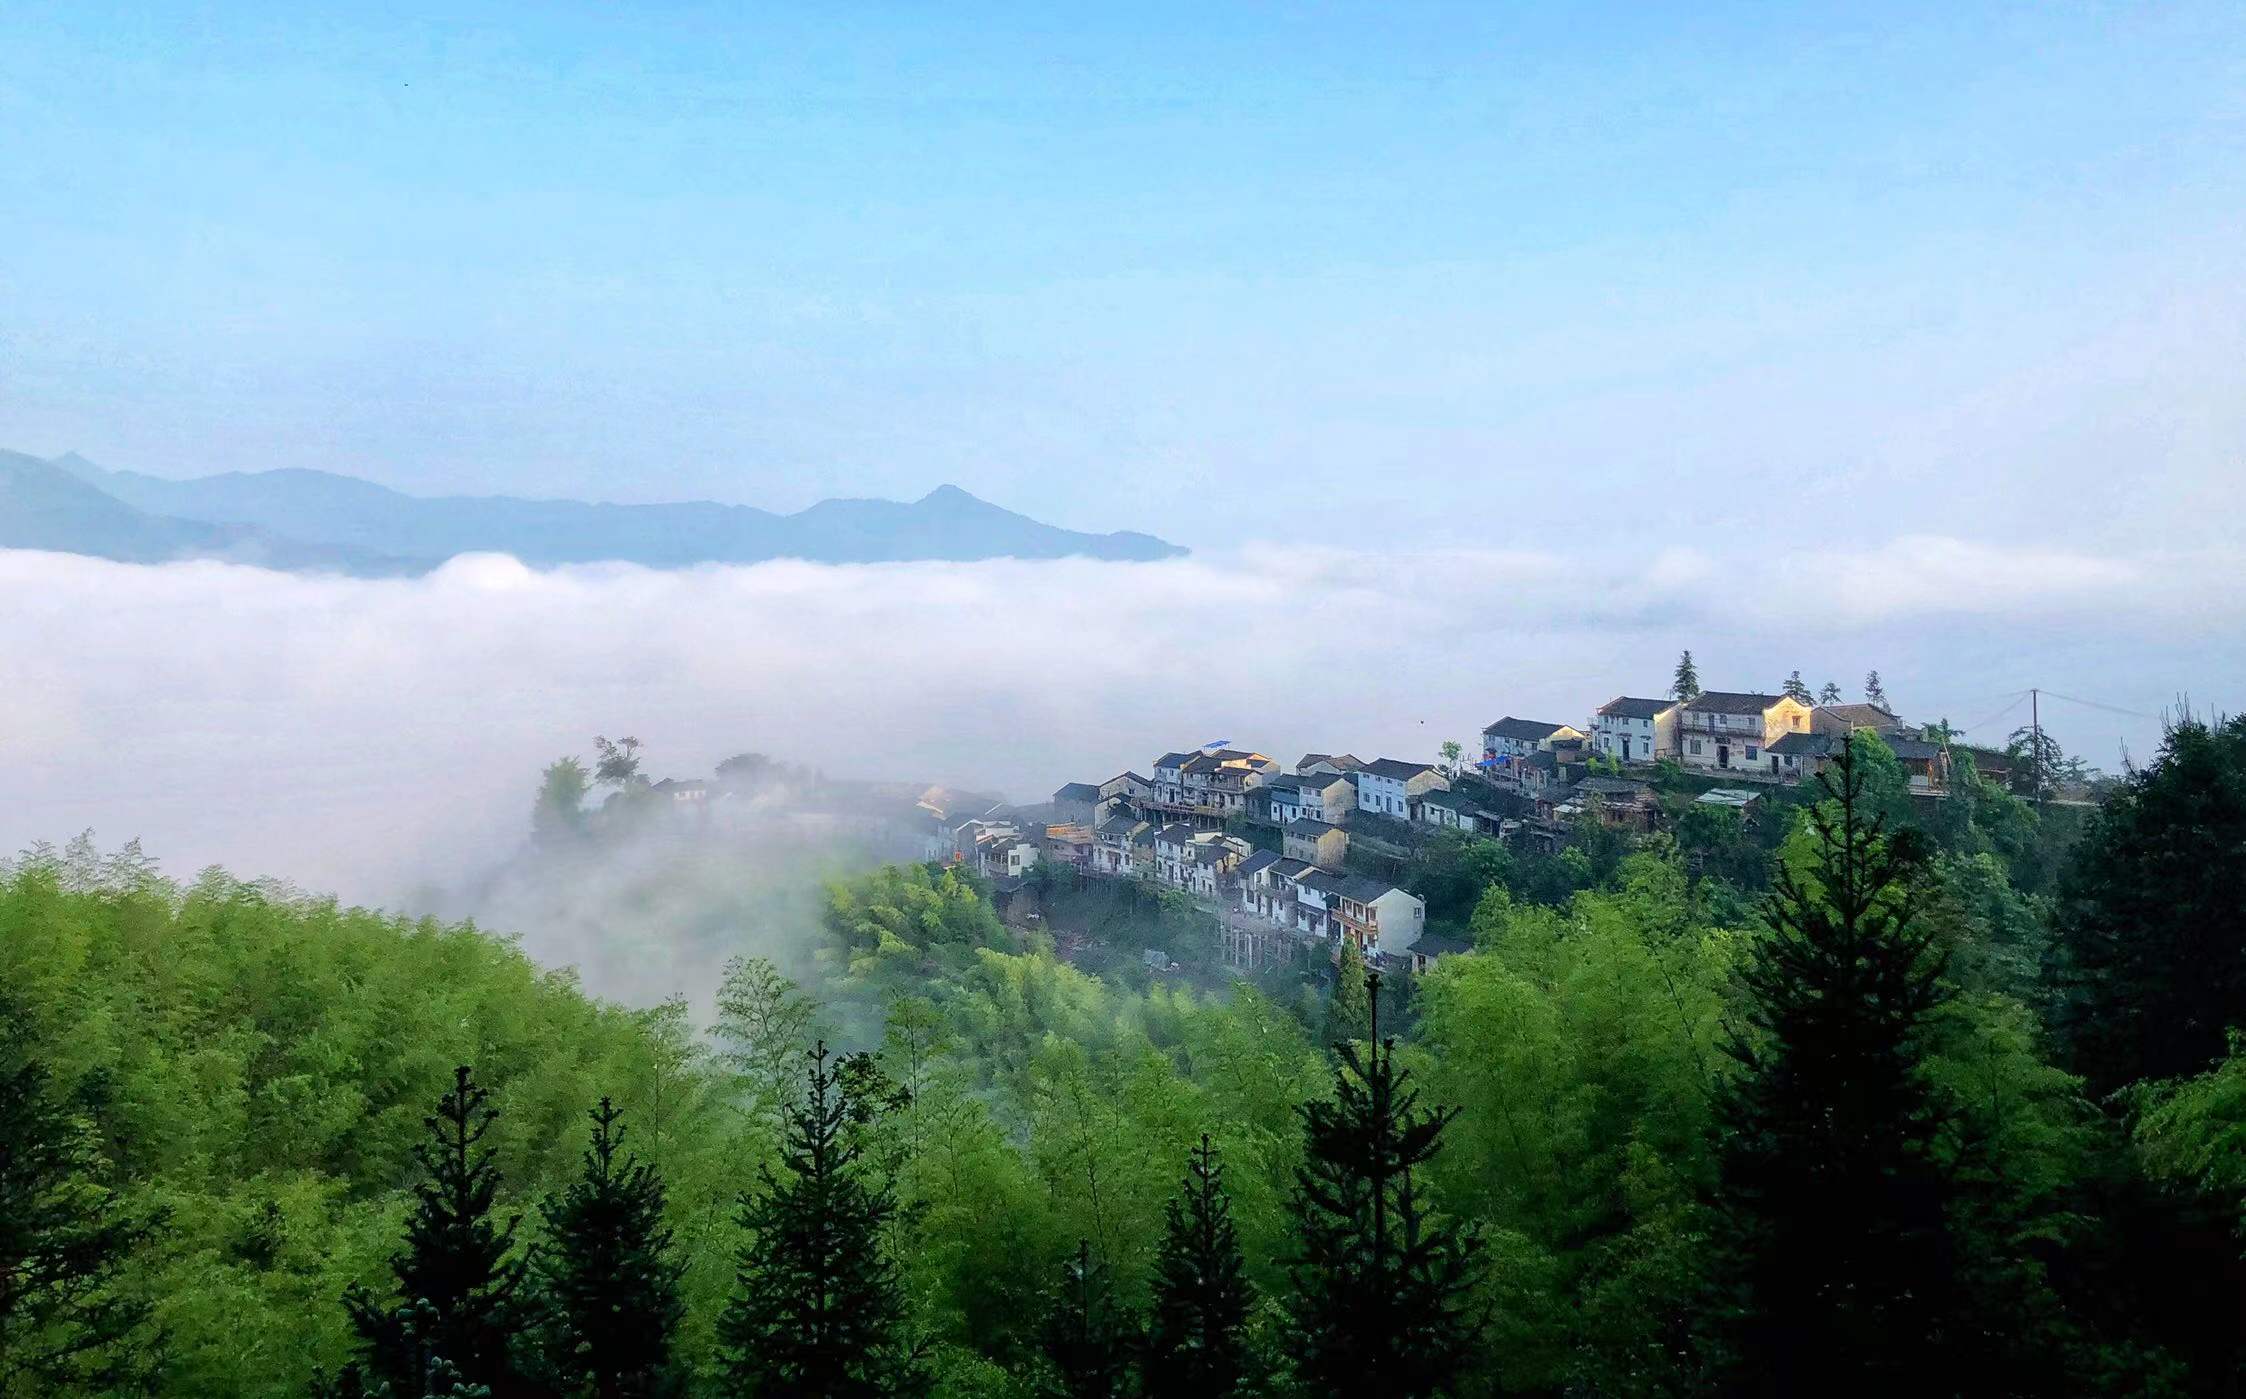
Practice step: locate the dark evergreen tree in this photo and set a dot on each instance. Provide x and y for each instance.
(1348, 1012)
(2148, 966)
(1086, 1344)
(818, 1307)
(428, 1374)
(1835, 1205)
(1873, 693)
(1685, 685)
(67, 1323)
(457, 1295)
(607, 1284)
(1383, 1304)
(1796, 689)
(1196, 1335)
(1830, 694)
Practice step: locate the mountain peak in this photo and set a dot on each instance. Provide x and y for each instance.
(949, 494)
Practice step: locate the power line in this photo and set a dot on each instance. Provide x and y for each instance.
(2017, 700)
(2109, 708)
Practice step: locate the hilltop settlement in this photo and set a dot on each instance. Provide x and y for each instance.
(1296, 861)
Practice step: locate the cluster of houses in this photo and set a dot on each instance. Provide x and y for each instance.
(1268, 847)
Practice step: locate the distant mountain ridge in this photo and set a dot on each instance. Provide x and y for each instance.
(316, 520)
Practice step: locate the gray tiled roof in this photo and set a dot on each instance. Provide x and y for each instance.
(1629, 707)
(1522, 730)
(1730, 702)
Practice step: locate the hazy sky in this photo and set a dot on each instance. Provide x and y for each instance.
(1471, 274)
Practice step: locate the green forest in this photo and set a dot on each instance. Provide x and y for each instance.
(1875, 1095)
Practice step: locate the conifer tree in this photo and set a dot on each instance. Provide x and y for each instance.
(818, 1306)
(1836, 1209)
(457, 1285)
(1796, 689)
(1830, 694)
(606, 1280)
(1196, 1336)
(1686, 684)
(1873, 693)
(1383, 1304)
(1083, 1339)
(66, 1324)
(1348, 1013)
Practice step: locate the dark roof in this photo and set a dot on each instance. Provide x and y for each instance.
(1916, 749)
(1397, 768)
(1259, 862)
(1125, 776)
(1436, 945)
(1076, 792)
(1456, 801)
(1177, 833)
(1629, 707)
(1364, 889)
(1610, 787)
(1119, 824)
(1526, 730)
(1802, 745)
(1339, 760)
(1304, 826)
(1171, 760)
(1731, 702)
(1296, 869)
(1840, 718)
(1321, 881)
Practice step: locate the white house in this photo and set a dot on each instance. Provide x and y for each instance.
(1445, 810)
(1379, 917)
(1730, 731)
(1387, 785)
(1632, 730)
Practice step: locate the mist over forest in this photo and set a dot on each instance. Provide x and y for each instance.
(378, 739)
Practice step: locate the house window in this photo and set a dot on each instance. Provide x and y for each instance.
(1696, 746)
(1750, 752)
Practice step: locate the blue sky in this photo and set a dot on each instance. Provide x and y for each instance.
(1448, 273)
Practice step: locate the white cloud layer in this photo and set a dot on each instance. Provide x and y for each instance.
(381, 737)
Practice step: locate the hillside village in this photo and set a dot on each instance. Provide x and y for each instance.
(1281, 855)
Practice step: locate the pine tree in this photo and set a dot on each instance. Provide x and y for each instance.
(1383, 1304)
(2148, 968)
(1873, 694)
(1795, 689)
(1830, 694)
(66, 1323)
(1348, 1013)
(818, 1305)
(1837, 1210)
(1686, 684)
(457, 1284)
(1196, 1341)
(606, 1282)
(1083, 1339)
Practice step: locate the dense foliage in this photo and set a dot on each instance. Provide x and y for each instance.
(1858, 1092)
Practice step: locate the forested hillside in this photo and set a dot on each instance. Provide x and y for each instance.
(1873, 1098)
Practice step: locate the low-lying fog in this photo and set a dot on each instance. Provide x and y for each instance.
(382, 739)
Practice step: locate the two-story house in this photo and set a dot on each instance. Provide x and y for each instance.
(1732, 731)
(1632, 730)
(1510, 739)
(1327, 796)
(1315, 842)
(1380, 918)
(1387, 785)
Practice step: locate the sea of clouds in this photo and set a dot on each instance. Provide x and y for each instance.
(381, 739)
